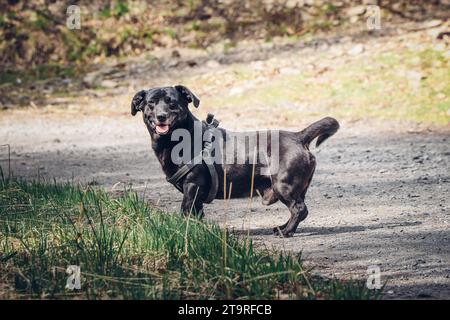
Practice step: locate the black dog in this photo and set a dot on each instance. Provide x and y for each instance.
(166, 109)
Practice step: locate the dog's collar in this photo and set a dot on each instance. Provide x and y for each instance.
(175, 179)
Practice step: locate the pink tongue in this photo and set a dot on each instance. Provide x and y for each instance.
(162, 128)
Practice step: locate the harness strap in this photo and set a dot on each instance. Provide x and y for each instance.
(204, 156)
(184, 170)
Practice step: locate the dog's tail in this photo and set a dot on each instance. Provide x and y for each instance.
(323, 129)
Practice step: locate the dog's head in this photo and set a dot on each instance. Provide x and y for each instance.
(163, 108)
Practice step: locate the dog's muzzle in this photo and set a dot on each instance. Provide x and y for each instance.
(162, 128)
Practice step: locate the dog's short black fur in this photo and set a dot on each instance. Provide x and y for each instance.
(166, 109)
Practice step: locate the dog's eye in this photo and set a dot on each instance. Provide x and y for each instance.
(173, 106)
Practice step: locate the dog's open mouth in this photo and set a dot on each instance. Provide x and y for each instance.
(162, 128)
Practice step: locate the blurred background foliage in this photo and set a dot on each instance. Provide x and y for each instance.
(315, 56)
(34, 33)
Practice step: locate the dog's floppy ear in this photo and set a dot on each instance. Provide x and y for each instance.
(138, 102)
(190, 97)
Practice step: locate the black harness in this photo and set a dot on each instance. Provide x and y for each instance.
(203, 157)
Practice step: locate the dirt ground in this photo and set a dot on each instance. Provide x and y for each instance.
(379, 195)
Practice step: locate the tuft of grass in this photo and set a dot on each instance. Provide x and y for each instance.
(127, 250)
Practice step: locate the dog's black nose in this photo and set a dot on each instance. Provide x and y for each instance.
(161, 117)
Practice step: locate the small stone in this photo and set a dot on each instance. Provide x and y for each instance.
(258, 65)
(356, 49)
(289, 71)
(354, 19)
(212, 64)
(432, 23)
(108, 84)
(176, 54)
(236, 91)
(419, 261)
(91, 79)
(172, 63)
(356, 11)
(191, 63)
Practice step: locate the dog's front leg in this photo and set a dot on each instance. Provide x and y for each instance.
(192, 203)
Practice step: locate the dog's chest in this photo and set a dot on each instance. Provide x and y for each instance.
(164, 157)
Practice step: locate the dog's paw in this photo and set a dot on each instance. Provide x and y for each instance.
(287, 234)
(280, 232)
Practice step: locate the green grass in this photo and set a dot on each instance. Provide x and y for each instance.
(128, 250)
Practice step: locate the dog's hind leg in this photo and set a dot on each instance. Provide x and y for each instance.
(295, 201)
(299, 212)
(296, 204)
